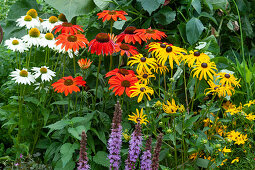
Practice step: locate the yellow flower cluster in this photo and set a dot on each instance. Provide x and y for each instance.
(250, 116)
(237, 137)
(251, 102)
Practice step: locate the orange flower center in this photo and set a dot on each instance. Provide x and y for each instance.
(143, 59)
(15, 42)
(125, 83)
(168, 49)
(163, 45)
(123, 72)
(142, 89)
(62, 17)
(67, 24)
(72, 38)
(43, 70)
(130, 30)
(197, 53)
(150, 31)
(227, 75)
(28, 18)
(53, 19)
(145, 76)
(204, 65)
(23, 73)
(68, 82)
(124, 46)
(32, 13)
(112, 12)
(102, 37)
(34, 32)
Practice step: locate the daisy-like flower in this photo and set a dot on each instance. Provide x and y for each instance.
(241, 139)
(28, 22)
(226, 91)
(228, 79)
(67, 28)
(204, 68)
(122, 71)
(144, 77)
(70, 52)
(112, 15)
(214, 88)
(225, 150)
(163, 51)
(129, 35)
(251, 102)
(22, 76)
(49, 24)
(150, 34)
(233, 111)
(250, 116)
(139, 117)
(121, 84)
(70, 41)
(144, 63)
(48, 40)
(68, 85)
(84, 63)
(33, 13)
(196, 56)
(102, 44)
(33, 38)
(45, 73)
(162, 69)
(170, 108)
(141, 90)
(126, 49)
(16, 44)
(235, 160)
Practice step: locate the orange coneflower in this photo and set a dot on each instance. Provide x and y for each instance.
(68, 85)
(67, 27)
(150, 34)
(126, 49)
(129, 35)
(120, 83)
(114, 15)
(102, 44)
(71, 41)
(122, 71)
(84, 64)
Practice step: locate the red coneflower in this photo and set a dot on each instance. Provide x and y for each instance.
(68, 85)
(71, 41)
(84, 64)
(120, 83)
(129, 35)
(114, 15)
(67, 27)
(150, 34)
(126, 49)
(122, 71)
(102, 44)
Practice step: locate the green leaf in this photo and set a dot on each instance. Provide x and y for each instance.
(68, 166)
(194, 29)
(102, 159)
(202, 162)
(196, 5)
(219, 4)
(207, 15)
(75, 132)
(53, 148)
(100, 134)
(67, 151)
(248, 76)
(190, 122)
(62, 102)
(151, 6)
(211, 44)
(72, 8)
(102, 4)
(164, 16)
(58, 125)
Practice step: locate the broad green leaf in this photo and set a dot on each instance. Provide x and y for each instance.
(76, 132)
(67, 151)
(52, 149)
(119, 24)
(72, 8)
(194, 29)
(196, 5)
(211, 44)
(207, 15)
(202, 162)
(190, 122)
(101, 159)
(102, 4)
(69, 165)
(62, 102)
(163, 154)
(218, 4)
(100, 134)
(151, 6)
(248, 76)
(164, 16)
(58, 125)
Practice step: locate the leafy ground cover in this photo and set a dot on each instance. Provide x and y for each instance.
(130, 84)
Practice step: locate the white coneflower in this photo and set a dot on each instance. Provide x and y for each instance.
(69, 52)
(28, 22)
(45, 73)
(33, 38)
(22, 76)
(49, 24)
(48, 40)
(16, 44)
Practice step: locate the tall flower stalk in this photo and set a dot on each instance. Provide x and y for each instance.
(115, 142)
(134, 147)
(155, 158)
(83, 159)
(146, 157)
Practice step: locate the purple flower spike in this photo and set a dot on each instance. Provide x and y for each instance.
(146, 157)
(155, 158)
(83, 159)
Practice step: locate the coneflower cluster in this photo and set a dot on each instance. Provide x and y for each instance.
(83, 159)
(114, 142)
(146, 157)
(134, 147)
(155, 158)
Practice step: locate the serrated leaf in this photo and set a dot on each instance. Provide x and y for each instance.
(151, 6)
(194, 29)
(102, 159)
(72, 8)
(67, 151)
(58, 125)
(189, 122)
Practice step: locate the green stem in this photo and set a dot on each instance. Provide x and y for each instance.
(17, 62)
(98, 70)
(46, 55)
(29, 56)
(69, 102)
(185, 89)
(175, 150)
(56, 63)
(74, 64)
(159, 86)
(64, 58)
